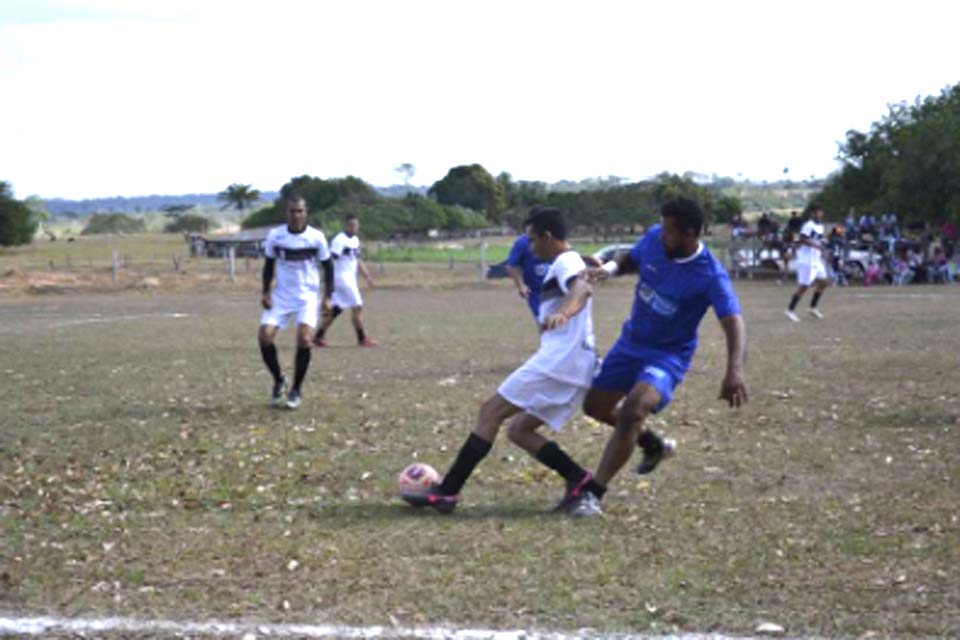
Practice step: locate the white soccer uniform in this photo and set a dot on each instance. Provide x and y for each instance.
(298, 275)
(810, 264)
(345, 250)
(551, 384)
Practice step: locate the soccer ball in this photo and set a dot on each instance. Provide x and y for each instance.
(417, 477)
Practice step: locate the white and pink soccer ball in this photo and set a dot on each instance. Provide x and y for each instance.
(416, 478)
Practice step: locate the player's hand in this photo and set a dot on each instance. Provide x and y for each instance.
(554, 321)
(524, 292)
(597, 274)
(733, 389)
(591, 261)
(371, 283)
(265, 301)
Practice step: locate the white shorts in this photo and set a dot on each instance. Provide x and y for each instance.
(346, 296)
(278, 315)
(549, 399)
(807, 274)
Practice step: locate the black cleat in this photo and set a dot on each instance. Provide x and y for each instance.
(279, 388)
(572, 494)
(293, 399)
(431, 498)
(654, 454)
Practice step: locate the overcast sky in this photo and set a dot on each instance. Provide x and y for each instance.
(120, 97)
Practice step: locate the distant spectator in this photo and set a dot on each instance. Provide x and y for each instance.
(938, 269)
(836, 245)
(889, 227)
(764, 224)
(949, 232)
(874, 274)
(901, 271)
(850, 225)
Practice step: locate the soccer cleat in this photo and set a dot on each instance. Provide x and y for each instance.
(572, 494)
(790, 314)
(368, 342)
(815, 313)
(656, 454)
(293, 399)
(431, 498)
(319, 342)
(587, 505)
(279, 388)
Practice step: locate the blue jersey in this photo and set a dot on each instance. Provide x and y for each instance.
(521, 257)
(672, 297)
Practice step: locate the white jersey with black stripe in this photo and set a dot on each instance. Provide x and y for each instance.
(298, 256)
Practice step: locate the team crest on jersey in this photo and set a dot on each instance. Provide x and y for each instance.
(541, 269)
(660, 305)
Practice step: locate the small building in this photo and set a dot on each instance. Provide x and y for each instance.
(247, 243)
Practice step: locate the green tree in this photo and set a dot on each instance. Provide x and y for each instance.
(239, 196)
(909, 162)
(470, 186)
(406, 171)
(18, 222)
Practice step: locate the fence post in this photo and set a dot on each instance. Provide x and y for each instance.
(231, 263)
(483, 260)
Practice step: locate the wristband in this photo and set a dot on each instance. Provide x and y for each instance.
(611, 267)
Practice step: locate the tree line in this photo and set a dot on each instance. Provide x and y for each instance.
(908, 163)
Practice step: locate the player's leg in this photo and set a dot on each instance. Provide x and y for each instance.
(319, 339)
(524, 432)
(266, 337)
(820, 285)
(603, 405)
(356, 317)
(444, 497)
(306, 323)
(804, 280)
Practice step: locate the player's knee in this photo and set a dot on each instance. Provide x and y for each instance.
(264, 337)
(598, 410)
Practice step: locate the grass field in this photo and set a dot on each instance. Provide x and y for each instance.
(142, 472)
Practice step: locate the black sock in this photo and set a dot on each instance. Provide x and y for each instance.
(269, 354)
(361, 336)
(471, 453)
(816, 299)
(302, 363)
(794, 301)
(319, 334)
(556, 458)
(595, 489)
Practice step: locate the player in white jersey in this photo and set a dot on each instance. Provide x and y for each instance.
(811, 264)
(345, 250)
(547, 388)
(295, 251)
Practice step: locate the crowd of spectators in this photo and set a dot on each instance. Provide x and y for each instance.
(869, 249)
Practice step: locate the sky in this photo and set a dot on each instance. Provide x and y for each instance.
(122, 97)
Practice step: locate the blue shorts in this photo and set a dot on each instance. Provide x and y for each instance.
(626, 365)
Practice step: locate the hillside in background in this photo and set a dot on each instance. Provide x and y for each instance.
(756, 196)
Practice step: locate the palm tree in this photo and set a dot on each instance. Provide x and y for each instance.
(239, 196)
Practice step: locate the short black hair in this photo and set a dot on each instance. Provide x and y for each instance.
(349, 217)
(292, 197)
(815, 206)
(544, 219)
(686, 212)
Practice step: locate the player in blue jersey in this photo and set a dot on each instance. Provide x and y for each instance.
(527, 271)
(678, 280)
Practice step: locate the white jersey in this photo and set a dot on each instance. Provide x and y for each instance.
(346, 254)
(297, 256)
(569, 352)
(812, 230)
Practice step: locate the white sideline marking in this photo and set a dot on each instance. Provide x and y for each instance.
(39, 625)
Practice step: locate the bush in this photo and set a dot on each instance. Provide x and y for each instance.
(17, 222)
(190, 223)
(113, 223)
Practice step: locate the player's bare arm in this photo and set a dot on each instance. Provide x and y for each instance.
(268, 266)
(327, 283)
(362, 268)
(578, 293)
(734, 389)
(622, 264)
(517, 276)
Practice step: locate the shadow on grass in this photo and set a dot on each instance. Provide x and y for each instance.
(386, 512)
